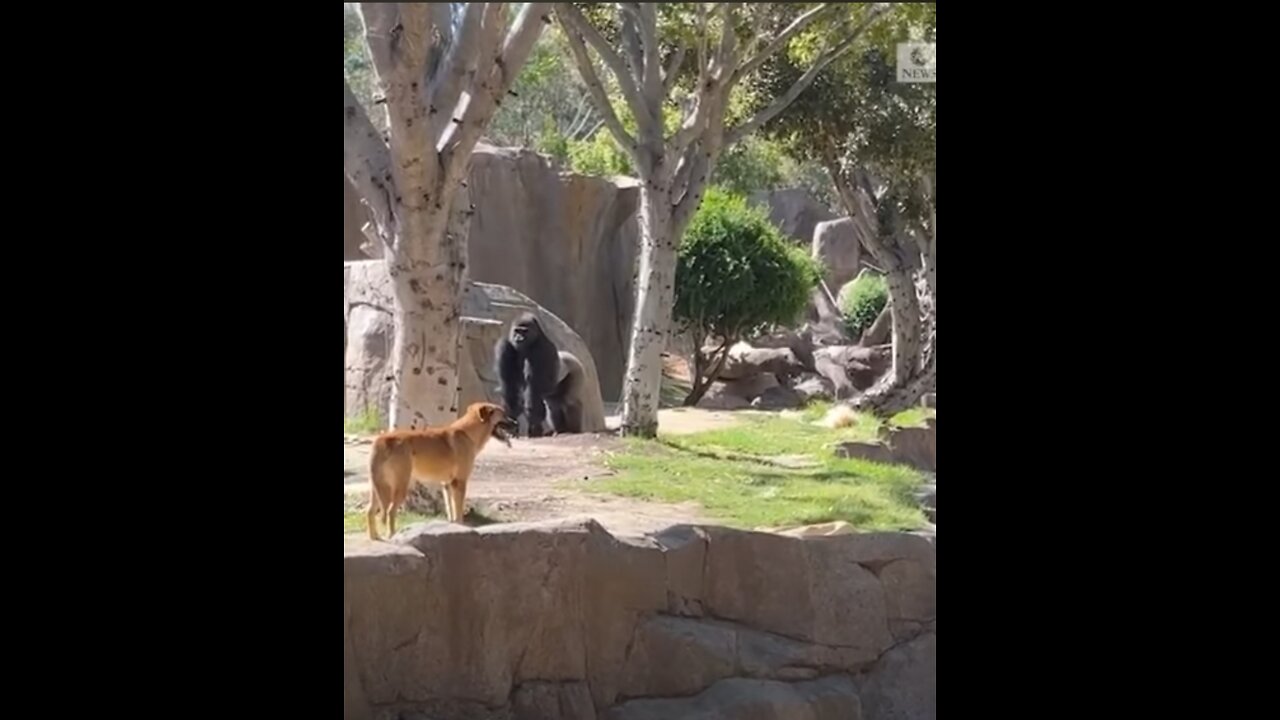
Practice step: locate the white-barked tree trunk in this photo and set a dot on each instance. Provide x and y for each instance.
(442, 78)
(673, 170)
(909, 257)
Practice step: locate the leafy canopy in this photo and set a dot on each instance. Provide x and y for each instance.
(736, 273)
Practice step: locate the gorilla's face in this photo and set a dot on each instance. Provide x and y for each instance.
(525, 333)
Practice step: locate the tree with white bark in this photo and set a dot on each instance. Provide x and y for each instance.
(443, 69)
(687, 59)
(877, 137)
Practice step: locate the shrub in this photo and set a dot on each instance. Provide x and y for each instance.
(862, 302)
(736, 275)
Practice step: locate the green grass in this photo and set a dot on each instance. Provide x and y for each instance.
(738, 475)
(672, 392)
(367, 422)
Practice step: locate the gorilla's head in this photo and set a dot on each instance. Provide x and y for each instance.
(525, 332)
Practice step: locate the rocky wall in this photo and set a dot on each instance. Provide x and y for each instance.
(569, 242)
(487, 312)
(563, 621)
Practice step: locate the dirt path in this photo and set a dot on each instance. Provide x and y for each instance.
(551, 478)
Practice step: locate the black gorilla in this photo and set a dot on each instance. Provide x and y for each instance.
(565, 402)
(527, 360)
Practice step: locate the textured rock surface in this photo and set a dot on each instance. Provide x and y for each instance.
(851, 368)
(566, 241)
(562, 620)
(794, 211)
(914, 446)
(836, 247)
(832, 698)
(487, 312)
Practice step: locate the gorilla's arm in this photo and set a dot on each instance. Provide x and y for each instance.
(544, 370)
(511, 376)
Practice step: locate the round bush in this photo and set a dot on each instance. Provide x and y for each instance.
(736, 273)
(862, 300)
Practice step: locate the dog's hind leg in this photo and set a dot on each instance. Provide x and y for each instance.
(371, 515)
(459, 488)
(389, 513)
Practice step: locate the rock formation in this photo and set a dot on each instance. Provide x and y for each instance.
(563, 621)
(793, 210)
(836, 247)
(487, 311)
(569, 242)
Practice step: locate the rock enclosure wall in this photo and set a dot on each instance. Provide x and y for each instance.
(487, 311)
(563, 621)
(569, 242)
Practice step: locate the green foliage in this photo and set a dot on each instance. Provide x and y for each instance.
(856, 112)
(550, 108)
(736, 274)
(600, 155)
(367, 422)
(867, 296)
(750, 165)
(759, 163)
(357, 67)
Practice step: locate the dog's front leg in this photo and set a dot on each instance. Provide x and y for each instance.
(446, 496)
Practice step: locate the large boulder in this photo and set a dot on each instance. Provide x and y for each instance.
(904, 683)
(487, 311)
(745, 361)
(568, 242)
(563, 620)
(852, 368)
(836, 248)
(916, 446)
(794, 211)
(831, 698)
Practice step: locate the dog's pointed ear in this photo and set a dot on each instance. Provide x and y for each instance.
(486, 412)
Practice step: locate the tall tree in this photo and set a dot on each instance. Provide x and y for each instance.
(682, 62)
(443, 70)
(877, 137)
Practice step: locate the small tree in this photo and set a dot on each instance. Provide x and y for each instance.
(735, 275)
(862, 303)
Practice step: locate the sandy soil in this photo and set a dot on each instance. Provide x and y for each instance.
(551, 478)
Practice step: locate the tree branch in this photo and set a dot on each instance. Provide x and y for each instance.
(927, 182)
(724, 54)
(653, 85)
(781, 40)
(367, 163)
(487, 97)
(631, 41)
(781, 103)
(380, 20)
(693, 183)
(673, 70)
(398, 35)
(442, 19)
(446, 88)
(586, 69)
(703, 60)
(570, 17)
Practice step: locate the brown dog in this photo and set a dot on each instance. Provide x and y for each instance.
(436, 455)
